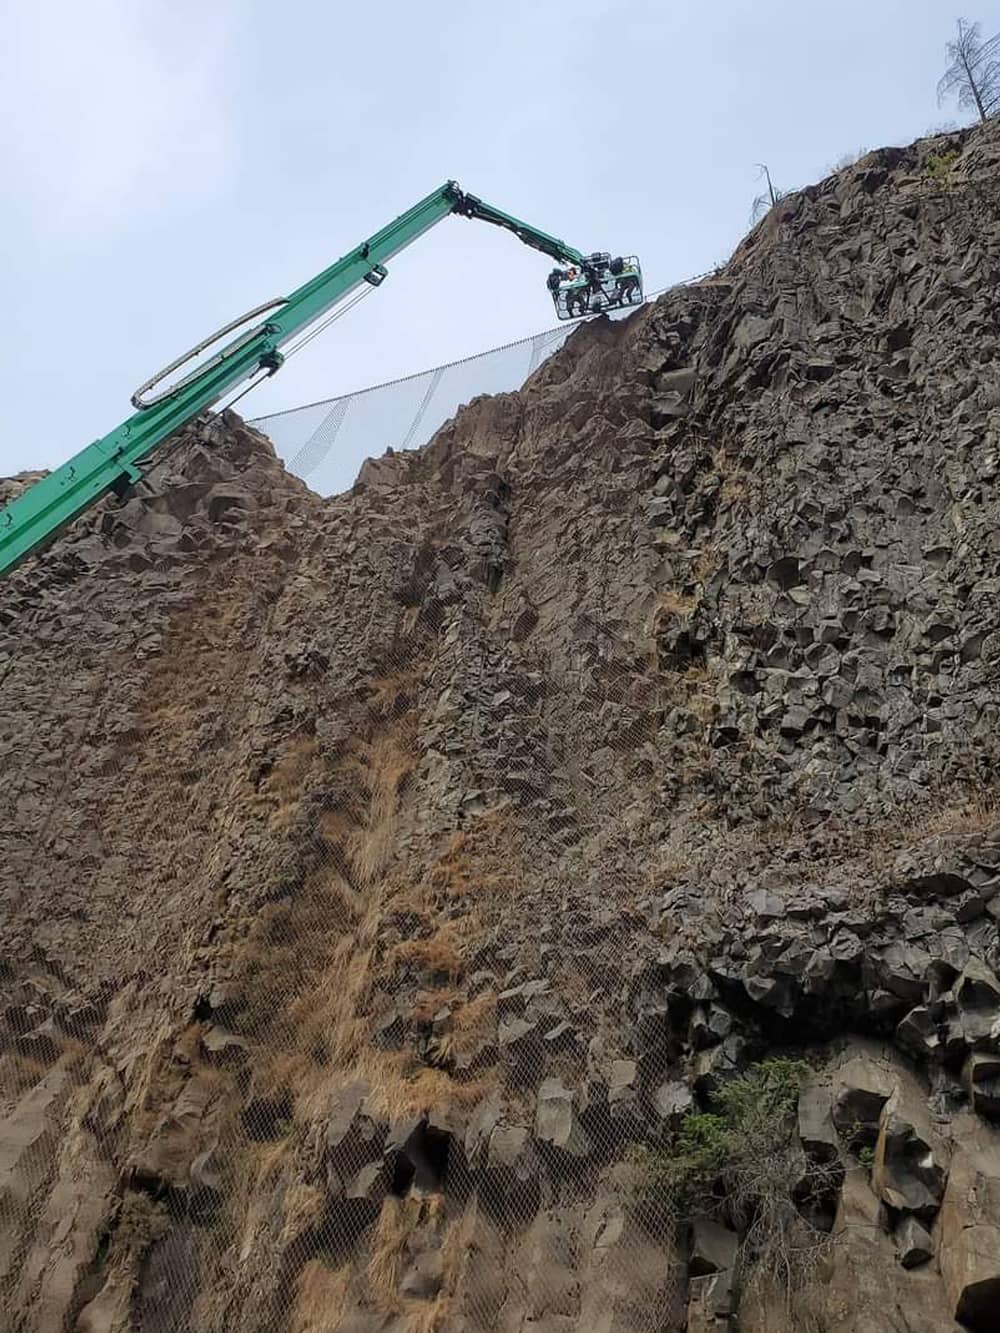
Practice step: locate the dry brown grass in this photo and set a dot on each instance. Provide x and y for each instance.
(735, 490)
(308, 964)
(978, 814)
(437, 956)
(575, 986)
(327, 1020)
(390, 761)
(452, 873)
(18, 1073)
(171, 1061)
(476, 1017)
(293, 962)
(427, 1318)
(468, 865)
(329, 888)
(704, 706)
(386, 1252)
(399, 1086)
(399, 1218)
(454, 1253)
(336, 826)
(304, 1206)
(736, 483)
(309, 992)
(672, 603)
(672, 865)
(697, 675)
(873, 845)
(430, 1002)
(321, 1298)
(256, 1172)
(389, 695)
(285, 785)
(705, 565)
(311, 962)
(270, 1160)
(287, 777)
(479, 863)
(694, 688)
(472, 1025)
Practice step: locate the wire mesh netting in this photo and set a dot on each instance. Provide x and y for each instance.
(329, 1067)
(325, 443)
(377, 1116)
(291, 1040)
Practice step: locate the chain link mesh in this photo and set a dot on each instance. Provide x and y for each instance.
(325, 443)
(395, 1103)
(393, 1106)
(445, 1164)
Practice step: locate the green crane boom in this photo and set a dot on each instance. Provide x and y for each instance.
(117, 460)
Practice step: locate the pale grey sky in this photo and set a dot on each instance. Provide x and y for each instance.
(171, 164)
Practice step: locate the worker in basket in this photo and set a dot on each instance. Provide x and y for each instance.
(577, 302)
(626, 280)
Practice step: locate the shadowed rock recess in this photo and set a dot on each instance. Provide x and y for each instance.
(391, 883)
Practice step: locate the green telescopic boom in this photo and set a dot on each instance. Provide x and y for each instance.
(117, 460)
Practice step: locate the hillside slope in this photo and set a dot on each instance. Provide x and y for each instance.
(386, 880)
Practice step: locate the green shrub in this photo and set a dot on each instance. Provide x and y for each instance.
(939, 165)
(772, 1086)
(741, 1162)
(757, 1105)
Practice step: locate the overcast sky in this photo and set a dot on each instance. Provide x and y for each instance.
(171, 164)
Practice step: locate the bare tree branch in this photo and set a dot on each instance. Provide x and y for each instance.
(973, 75)
(763, 203)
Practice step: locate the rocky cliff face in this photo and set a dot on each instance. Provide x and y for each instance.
(390, 884)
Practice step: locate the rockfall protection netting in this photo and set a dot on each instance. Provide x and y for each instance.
(326, 442)
(388, 1107)
(301, 1151)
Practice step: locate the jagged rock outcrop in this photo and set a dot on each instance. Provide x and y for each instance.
(387, 880)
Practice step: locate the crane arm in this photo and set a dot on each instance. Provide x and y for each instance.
(471, 207)
(119, 458)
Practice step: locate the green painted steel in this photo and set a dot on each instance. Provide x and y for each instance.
(119, 459)
(472, 207)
